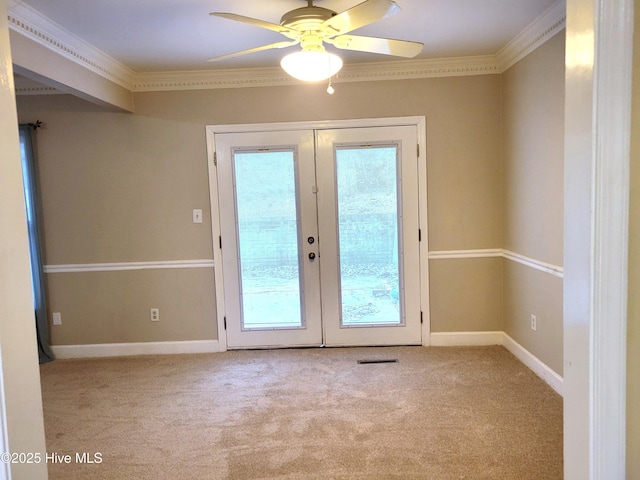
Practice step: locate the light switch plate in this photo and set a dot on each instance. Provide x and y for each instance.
(197, 215)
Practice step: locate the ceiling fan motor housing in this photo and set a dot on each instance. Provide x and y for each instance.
(308, 22)
(306, 18)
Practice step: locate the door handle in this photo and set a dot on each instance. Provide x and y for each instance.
(312, 256)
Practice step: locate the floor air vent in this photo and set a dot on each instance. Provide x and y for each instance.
(366, 362)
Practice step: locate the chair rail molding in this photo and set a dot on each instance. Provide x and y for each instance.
(549, 268)
(124, 266)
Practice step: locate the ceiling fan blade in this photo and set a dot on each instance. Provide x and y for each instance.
(385, 46)
(253, 50)
(289, 32)
(363, 14)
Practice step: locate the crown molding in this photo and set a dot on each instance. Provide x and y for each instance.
(268, 77)
(211, 79)
(35, 26)
(28, 86)
(534, 35)
(410, 69)
(38, 91)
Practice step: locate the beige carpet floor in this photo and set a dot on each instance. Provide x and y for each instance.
(438, 413)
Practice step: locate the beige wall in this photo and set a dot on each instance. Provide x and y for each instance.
(533, 119)
(120, 187)
(107, 307)
(21, 424)
(533, 106)
(466, 295)
(633, 320)
(526, 292)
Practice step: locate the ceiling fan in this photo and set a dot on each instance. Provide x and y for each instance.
(313, 26)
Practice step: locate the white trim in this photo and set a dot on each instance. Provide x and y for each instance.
(211, 79)
(598, 99)
(552, 379)
(32, 24)
(274, 76)
(425, 300)
(44, 90)
(216, 234)
(433, 255)
(123, 266)
(466, 339)
(533, 36)
(5, 471)
(27, 86)
(139, 348)
(481, 339)
(316, 125)
(428, 68)
(612, 73)
(549, 268)
(449, 254)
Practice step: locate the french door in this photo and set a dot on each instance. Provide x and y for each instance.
(319, 235)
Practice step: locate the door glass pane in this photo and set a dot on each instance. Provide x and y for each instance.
(265, 189)
(367, 194)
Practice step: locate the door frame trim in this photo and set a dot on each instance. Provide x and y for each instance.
(418, 121)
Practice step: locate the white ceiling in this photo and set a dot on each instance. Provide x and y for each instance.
(180, 35)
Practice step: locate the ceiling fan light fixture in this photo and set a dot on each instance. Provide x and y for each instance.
(311, 65)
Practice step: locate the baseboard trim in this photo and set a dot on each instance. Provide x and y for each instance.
(140, 348)
(474, 339)
(466, 339)
(554, 380)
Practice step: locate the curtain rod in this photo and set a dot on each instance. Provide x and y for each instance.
(36, 125)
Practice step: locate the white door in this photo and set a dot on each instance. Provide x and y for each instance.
(319, 234)
(266, 184)
(369, 227)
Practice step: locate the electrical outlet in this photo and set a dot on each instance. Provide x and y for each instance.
(155, 314)
(534, 323)
(57, 318)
